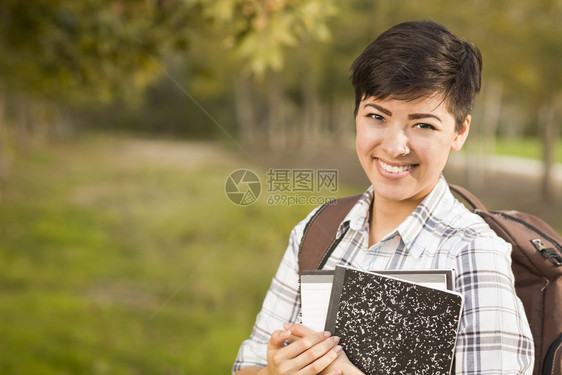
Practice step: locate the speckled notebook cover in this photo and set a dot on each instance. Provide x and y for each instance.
(391, 326)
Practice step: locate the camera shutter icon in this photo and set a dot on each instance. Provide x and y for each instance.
(243, 187)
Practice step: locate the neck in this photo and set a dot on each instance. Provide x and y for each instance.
(386, 215)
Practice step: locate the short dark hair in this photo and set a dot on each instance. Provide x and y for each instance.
(416, 59)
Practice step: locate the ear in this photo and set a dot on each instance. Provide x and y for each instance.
(461, 135)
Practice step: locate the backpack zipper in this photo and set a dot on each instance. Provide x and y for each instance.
(549, 253)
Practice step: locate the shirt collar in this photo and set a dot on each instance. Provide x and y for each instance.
(358, 216)
(414, 231)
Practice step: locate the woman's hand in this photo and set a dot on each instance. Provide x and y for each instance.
(340, 365)
(308, 352)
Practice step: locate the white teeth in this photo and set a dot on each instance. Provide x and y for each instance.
(394, 169)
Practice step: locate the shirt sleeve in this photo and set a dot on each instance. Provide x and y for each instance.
(281, 305)
(494, 335)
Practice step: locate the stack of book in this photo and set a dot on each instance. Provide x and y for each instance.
(389, 322)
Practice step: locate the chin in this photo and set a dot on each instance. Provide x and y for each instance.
(391, 191)
(395, 196)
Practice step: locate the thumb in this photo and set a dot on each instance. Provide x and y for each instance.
(278, 338)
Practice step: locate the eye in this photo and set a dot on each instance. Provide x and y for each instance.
(376, 116)
(425, 126)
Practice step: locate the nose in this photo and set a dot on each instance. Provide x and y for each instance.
(396, 144)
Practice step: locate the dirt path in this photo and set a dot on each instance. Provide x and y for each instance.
(181, 154)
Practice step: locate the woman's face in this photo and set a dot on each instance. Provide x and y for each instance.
(403, 146)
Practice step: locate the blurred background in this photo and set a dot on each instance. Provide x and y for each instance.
(120, 122)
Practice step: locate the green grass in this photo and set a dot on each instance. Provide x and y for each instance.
(121, 256)
(530, 148)
(116, 260)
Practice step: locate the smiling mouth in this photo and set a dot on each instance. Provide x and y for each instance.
(394, 168)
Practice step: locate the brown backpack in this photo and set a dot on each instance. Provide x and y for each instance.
(536, 264)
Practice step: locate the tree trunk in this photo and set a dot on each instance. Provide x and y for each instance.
(311, 109)
(548, 132)
(483, 135)
(245, 113)
(3, 143)
(342, 123)
(276, 121)
(492, 112)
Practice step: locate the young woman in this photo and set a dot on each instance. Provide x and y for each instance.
(414, 89)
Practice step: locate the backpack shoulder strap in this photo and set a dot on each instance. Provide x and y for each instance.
(319, 236)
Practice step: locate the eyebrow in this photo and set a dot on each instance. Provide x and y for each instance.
(419, 116)
(379, 108)
(413, 116)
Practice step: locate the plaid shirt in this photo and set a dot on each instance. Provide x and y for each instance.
(494, 335)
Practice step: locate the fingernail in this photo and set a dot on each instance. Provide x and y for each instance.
(287, 325)
(327, 334)
(337, 349)
(286, 333)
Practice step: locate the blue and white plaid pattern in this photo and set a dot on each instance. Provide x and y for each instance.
(494, 335)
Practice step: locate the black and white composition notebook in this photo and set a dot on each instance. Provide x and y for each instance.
(388, 323)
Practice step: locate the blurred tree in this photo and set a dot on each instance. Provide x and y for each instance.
(94, 51)
(88, 50)
(544, 58)
(524, 55)
(289, 84)
(260, 30)
(56, 52)
(260, 33)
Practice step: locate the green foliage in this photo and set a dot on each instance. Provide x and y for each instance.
(121, 52)
(87, 50)
(261, 30)
(94, 50)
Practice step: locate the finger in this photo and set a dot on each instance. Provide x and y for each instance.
(323, 361)
(294, 338)
(302, 344)
(298, 330)
(322, 353)
(301, 331)
(278, 338)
